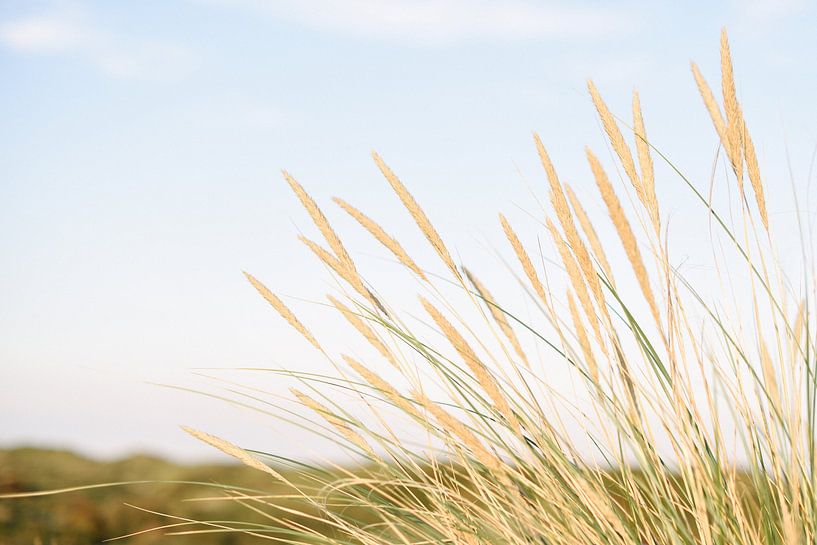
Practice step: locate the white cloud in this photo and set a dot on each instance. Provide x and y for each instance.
(432, 22)
(41, 35)
(121, 57)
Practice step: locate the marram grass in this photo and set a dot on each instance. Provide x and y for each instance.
(696, 424)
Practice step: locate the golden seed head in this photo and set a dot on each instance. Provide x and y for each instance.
(320, 221)
(524, 259)
(565, 218)
(754, 176)
(497, 314)
(590, 233)
(283, 310)
(625, 232)
(381, 385)
(481, 373)
(417, 213)
(576, 279)
(235, 451)
(615, 136)
(458, 430)
(710, 102)
(584, 342)
(351, 276)
(642, 146)
(364, 330)
(384, 238)
(338, 423)
(734, 117)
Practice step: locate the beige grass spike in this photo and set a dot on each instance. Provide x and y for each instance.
(235, 451)
(417, 214)
(382, 386)
(616, 138)
(560, 206)
(711, 105)
(320, 221)
(590, 233)
(459, 430)
(584, 342)
(338, 423)
(642, 147)
(497, 314)
(624, 231)
(524, 259)
(754, 176)
(351, 276)
(327, 258)
(367, 332)
(576, 279)
(734, 117)
(384, 238)
(481, 373)
(283, 310)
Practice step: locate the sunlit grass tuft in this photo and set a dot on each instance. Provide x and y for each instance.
(692, 424)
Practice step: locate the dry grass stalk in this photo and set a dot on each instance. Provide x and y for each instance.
(367, 332)
(711, 104)
(547, 164)
(417, 213)
(524, 259)
(351, 276)
(625, 232)
(481, 373)
(733, 133)
(382, 386)
(575, 242)
(576, 279)
(283, 310)
(650, 201)
(236, 452)
(616, 138)
(339, 424)
(498, 315)
(320, 221)
(458, 430)
(590, 233)
(329, 260)
(754, 176)
(384, 238)
(734, 117)
(584, 342)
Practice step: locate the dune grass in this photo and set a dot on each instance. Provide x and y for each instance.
(693, 416)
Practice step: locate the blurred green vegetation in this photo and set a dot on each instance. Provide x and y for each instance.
(92, 516)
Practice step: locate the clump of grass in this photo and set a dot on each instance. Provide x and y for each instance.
(688, 426)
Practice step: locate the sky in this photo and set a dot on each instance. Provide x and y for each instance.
(143, 143)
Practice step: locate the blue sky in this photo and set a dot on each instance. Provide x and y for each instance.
(142, 147)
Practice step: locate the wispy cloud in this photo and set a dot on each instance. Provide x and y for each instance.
(434, 22)
(73, 35)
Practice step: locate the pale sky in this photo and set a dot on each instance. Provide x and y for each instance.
(143, 142)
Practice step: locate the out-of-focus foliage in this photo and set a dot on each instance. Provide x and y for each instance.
(92, 516)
